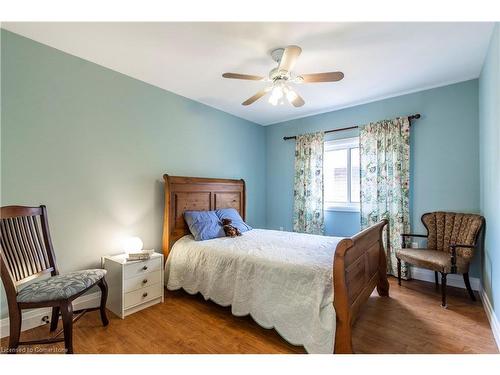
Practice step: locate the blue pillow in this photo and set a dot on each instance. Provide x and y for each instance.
(204, 225)
(236, 220)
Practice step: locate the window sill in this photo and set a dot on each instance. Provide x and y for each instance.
(342, 209)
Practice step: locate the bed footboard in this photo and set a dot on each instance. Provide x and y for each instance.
(359, 266)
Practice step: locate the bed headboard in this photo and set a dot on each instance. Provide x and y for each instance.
(200, 194)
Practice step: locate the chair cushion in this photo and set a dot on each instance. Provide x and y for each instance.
(60, 287)
(432, 259)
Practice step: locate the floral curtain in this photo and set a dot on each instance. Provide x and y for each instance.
(385, 181)
(308, 184)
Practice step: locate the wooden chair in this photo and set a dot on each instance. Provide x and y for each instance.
(27, 255)
(451, 240)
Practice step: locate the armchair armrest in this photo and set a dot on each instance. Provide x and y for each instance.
(453, 248)
(455, 245)
(405, 235)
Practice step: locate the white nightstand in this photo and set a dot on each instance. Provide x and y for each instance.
(133, 286)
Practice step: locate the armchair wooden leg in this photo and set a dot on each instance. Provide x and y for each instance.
(104, 296)
(55, 318)
(467, 285)
(436, 279)
(399, 272)
(443, 289)
(15, 319)
(67, 318)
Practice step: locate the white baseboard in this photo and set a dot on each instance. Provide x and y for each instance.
(494, 323)
(451, 280)
(33, 318)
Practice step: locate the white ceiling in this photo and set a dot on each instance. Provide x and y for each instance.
(379, 60)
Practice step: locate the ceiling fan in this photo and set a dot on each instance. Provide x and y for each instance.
(282, 76)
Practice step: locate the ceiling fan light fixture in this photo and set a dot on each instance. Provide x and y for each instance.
(290, 95)
(276, 95)
(273, 101)
(298, 79)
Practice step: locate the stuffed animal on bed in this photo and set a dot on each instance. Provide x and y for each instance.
(230, 230)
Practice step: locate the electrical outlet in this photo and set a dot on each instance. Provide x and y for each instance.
(281, 228)
(414, 245)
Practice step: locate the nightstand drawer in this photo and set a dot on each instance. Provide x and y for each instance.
(142, 295)
(139, 268)
(141, 281)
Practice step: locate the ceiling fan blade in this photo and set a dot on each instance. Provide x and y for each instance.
(298, 101)
(242, 76)
(256, 97)
(322, 77)
(289, 58)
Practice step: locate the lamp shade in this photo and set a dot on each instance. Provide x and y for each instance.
(132, 244)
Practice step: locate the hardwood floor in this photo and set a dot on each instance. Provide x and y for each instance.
(410, 321)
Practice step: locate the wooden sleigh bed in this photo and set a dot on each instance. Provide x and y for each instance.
(359, 264)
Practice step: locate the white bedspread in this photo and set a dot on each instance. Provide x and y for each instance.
(282, 279)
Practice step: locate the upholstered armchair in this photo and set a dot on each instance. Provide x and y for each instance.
(451, 241)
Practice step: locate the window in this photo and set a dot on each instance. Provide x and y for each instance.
(341, 175)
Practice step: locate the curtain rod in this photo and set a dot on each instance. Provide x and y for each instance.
(412, 117)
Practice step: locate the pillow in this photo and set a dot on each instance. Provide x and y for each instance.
(236, 220)
(204, 225)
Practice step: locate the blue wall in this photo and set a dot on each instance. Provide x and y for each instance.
(444, 156)
(92, 144)
(489, 120)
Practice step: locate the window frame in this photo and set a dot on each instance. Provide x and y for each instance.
(343, 144)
